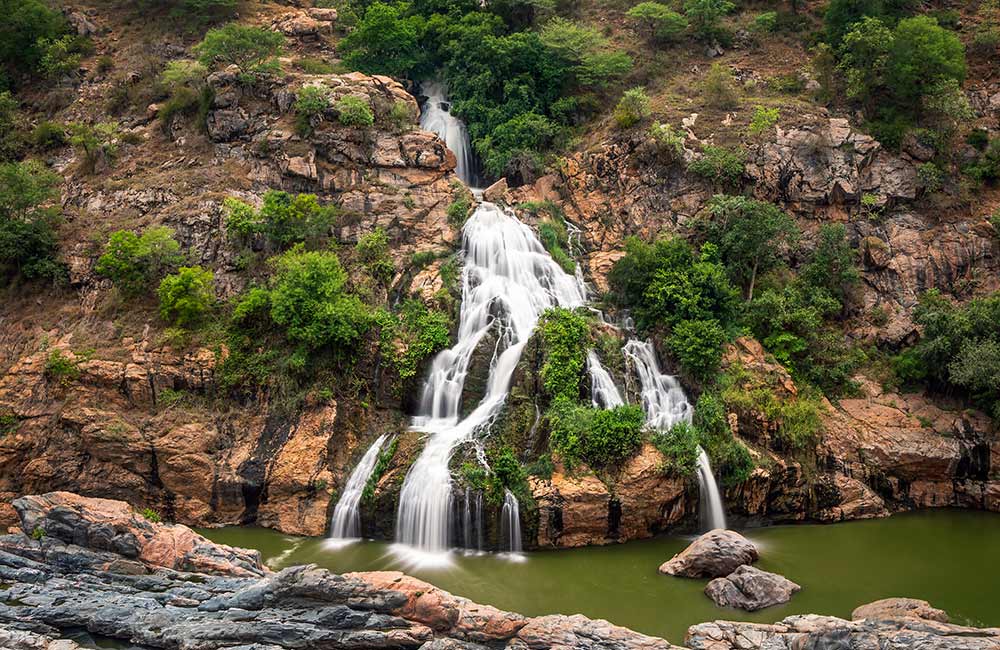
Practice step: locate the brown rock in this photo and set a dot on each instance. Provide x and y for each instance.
(716, 553)
(895, 608)
(751, 589)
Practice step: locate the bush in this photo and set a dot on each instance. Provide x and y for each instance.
(765, 22)
(26, 26)
(386, 41)
(514, 145)
(669, 142)
(697, 344)
(354, 111)
(601, 438)
(251, 49)
(60, 368)
(705, 16)
(186, 296)
(11, 135)
(459, 210)
(632, 108)
(385, 457)
(373, 251)
(184, 82)
(764, 119)
(679, 447)
(309, 298)
(283, 219)
(60, 56)
(311, 103)
(98, 143)
(563, 334)
(552, 232)
(48, 135)
(415, 329)
(399, 117)
(722, 166)
(28, 244)
(922, 55)
(660, 23)
(719, 87)
(151, 516)
(134, 262)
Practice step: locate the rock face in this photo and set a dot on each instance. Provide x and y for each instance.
(47, 585)
(715, 554)
(113, 526)
(894, 608)
(751, 589)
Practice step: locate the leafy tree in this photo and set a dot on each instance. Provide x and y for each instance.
(833, 265)
(11, 135)
(563, 332)
(60, 56)
(373, 251)
(386, 41)
(864, 55)
(583, 51)
(416, 330)
(309, 298)
(251, 49)
(188, 93)
(922, 55)
(512, 147)
(601, 438)
(842, 15)
(283, 219)
(354, 111)
(763, 120)
(24, 29)
(98, 143)
(705, 16)
(669, 141)
(698, 346)
(751, 236)
(28, 244)
(660, 23)
(135, 262)
(632, 108)
(186, 296)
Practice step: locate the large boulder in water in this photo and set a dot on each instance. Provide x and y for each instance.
(715, 554)
(751, 589)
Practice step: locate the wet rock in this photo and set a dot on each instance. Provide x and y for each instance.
(715, 554)
(497, 192)
(751, 589)
(894, 608)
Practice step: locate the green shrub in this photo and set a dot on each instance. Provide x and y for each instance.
(48, 135)
(722, 166)
(60, 368)
(38, 534)
(763, 121)
(98, 143)
(679, 447)
(9, 422)
(797, 419)
(354, 111)
(601, 438)
(135, 262)
(251, 49)
(312, 102)
(186, 296)
(151, 516)
(506, 473)
(632, 108)
(719, 88)
(931, 177)
(416, 330)
(669, 142)
(514, 144)
(765, 22)
(283, 219)
(11, 133)
(705, 16)
(995, 222)
(26, 26)
(188, 93)
(660, 23)
(563, 335)
(459, 210)
(698, 346)
(28, 244)
(310, 65)
(373, 251)
(385, 41)
(399, 117)
(60, 56)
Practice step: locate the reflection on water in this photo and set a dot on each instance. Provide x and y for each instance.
(947, 557)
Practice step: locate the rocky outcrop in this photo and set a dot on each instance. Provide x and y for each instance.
(114, 527)
(812, 631)
(895, 608)
(715, 554)
(751, 589)
(47, 586)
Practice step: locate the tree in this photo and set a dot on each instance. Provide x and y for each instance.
(512, 148)
(134, 262)
(705, 15)
(923, 54)
(582, 49)
(25, 26)
(386, 41)
(833, 264)
(750, 234)
(864, 54)
(698, 346)
(186, 296)
(251, 49)
(28, 244)
(309, 298)
(11, 135)
(284, 219)
(632, 108)
(660, 23)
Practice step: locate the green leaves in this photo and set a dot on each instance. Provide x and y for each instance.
(386, 41)
(601, 438)
(134, 262)
(563, 333)
(251, 49)
(186, 296)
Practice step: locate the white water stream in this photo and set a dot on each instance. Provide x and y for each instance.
(346, 523)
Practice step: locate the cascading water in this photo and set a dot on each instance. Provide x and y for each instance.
(436, 117)
(603, 392)
(508, 280)
(510, 522)
(346, 523)
(665, 405)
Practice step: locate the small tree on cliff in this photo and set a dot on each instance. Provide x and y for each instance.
(251, 49)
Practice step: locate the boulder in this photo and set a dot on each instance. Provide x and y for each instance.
(715, 554)
(896, 608)
(497, 192)
(751, 589)
(113, 526)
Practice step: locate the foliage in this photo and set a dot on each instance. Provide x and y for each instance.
(697, 344)
(28, 244)
(11, 134)
(833, 265)
(283, 219)
(705, 15)
(719, 88)
(135, 262)
(61, 368)
(98, 142)
(632, 108)
(415, 330)
(796, 419)
(26, 27)
(987, 166)
(730, 458)
(552, 232)
(251, 49)
(186, 296)
(668, 282)
(763, 120)
(842, 15)
(373, 251)
(506, 473)
(48, 135)
(679, 446)
(151, 515)
(308, 297)
(583, 50)
(354, 111)
(599, 437)
(660, 23)
(385, 457)
(669, 141)
(751, 236)
(722, 166)
(60, 56)
(515, 143)
(563, 332)
(386, 41)
(184, 82)
(459, 209)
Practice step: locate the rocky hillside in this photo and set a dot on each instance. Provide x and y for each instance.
(240, 261)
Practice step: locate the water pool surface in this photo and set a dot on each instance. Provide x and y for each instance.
(948, 557)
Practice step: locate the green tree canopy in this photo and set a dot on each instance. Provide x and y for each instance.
(251, 49)
(28, 244)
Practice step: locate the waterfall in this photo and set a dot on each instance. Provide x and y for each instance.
(712, 514)
(508, 280)
(346, 522)
(436, 117)
(510, 522)
(603, 392)
(665, 404)
(467, 520)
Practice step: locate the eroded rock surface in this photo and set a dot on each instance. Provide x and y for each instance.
(751, 589)
(715, 554)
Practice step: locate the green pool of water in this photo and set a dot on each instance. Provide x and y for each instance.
(948, 557)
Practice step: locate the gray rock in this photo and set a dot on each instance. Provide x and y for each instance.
(894, 608)
(751, 589)
(715, 554)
